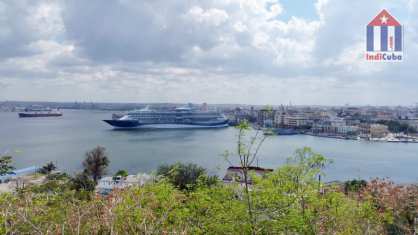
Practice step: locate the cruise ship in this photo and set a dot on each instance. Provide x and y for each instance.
(179, 118)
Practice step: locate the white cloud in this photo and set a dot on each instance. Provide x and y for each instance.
(211, 16)
(211, 51)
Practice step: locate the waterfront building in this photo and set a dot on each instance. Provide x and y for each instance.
(382, 115)
(317, 126)
(204, 107)
(295, 120)
(109, 183)
(322, 126)
(378, 130)
(364, 129)
(334, 126)
(279, 118)
(351, 121)
(240, 114)
(265, 117)
(253, 113)
(345, 129)
(292, 118)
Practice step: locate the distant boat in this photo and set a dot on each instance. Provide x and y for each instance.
(268, 132)
(39, 111)
(286, 131)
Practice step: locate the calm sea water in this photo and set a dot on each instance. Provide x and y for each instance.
(65, 140)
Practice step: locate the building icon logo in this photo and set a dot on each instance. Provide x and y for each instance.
(384, 37)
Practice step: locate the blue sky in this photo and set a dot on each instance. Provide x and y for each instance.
(303, 9)
(215, 51)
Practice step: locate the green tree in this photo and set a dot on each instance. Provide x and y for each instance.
(121, 173)
(82, 182)
(96, 163)
(354, 186)
(48, 168)
(217, 210)
(5, 165)
(247, 152)
(185, 176)
(58, 176)
(289, 201)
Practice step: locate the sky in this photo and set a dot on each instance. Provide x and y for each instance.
(308, 52)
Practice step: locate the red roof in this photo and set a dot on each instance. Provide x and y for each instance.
(384, 19)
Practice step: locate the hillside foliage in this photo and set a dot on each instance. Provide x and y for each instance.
(290, 200)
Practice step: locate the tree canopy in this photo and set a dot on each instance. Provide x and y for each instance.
(5, 165)
(96, 163)
(185, 176)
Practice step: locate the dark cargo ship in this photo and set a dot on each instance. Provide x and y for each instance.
(36, 111)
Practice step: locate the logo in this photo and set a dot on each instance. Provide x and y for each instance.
(384, 36)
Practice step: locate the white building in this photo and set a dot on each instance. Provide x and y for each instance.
(109, 183)
(290, 120)
(347, 129)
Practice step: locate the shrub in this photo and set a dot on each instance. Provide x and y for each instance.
(186, 176)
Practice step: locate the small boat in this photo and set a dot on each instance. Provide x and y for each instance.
(286, 131)
(268, 132)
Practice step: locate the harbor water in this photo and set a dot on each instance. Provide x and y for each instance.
(64, 140)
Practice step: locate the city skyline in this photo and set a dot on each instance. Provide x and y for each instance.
(219, 52)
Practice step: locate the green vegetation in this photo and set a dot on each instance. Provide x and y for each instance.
(397, 127)
(82, 182)
(354, 185)
(247, 150)
(121, 173)
(48, 168)
(57, 176)
(96, 163)
(290, 200)
(5, 165)
(186, 176)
